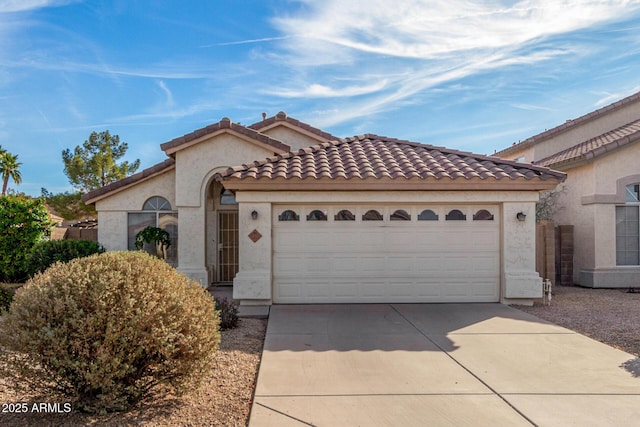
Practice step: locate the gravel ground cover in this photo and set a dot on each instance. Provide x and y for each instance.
(223, 400)
(611, 316)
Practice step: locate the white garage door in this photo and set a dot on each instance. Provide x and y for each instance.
(329, 254)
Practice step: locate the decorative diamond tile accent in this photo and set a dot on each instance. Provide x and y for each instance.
(255, 235)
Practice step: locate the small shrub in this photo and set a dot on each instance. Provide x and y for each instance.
(228, 312)
(6, 296)
(45, 253)
(105, 330)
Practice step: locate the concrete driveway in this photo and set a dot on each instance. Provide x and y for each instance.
(437, 365)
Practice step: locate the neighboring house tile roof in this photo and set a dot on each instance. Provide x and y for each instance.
(189, 139)
(282, 117)
(98, 193)
(595, 146)
(377, 157)
(569, 124)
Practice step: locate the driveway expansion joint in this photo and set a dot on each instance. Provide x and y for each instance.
(462, 366)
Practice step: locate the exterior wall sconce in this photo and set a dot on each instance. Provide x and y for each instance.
(521, 216)
(254, 214)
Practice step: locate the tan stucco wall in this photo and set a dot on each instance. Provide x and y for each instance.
(520, 282)
(112, 211)
(569, 210)
(112, 230)
(194, 165)
(528, 153)
(587, 201)
(132, 198)
(291, 137)
(588, 130)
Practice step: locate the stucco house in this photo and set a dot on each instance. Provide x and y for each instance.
(601, 196)
(289, 213)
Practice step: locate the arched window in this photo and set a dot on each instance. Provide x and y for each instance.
(400, 215)
(344, 215)
(288, 215)
(633, 193)
(628, 227)
(156, 212)
(427, 215)
(455, 215)
(156, 203)
(316, 215)
(372, 215)
(227, 198)
(483, 215)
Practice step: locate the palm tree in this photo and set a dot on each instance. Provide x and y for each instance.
(9, 166)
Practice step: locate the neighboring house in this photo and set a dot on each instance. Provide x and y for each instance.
(600, 198)
(311, 218)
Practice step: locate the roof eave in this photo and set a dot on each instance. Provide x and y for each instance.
(115, 187)
(595, 153)
(568, 125)
(274, 145)
(387, 184)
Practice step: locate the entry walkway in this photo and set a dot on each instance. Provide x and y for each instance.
(437, 365)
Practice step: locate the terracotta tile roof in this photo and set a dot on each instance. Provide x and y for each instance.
(375, 157)
(595, 146)
(569, 124)
(97, 194)
(184, 141)
(282, 117)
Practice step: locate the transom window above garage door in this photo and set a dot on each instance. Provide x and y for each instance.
(317, 215)
(344, 215)
(428, 215)
(483, 215)
(384, 214)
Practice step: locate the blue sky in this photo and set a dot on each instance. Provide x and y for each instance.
(470, 75)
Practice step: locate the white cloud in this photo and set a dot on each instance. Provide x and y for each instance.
(529, 107)
(437, 28)
(608, 98)
(167, 93)
(316, 90)
(417, 45)
(26, 5)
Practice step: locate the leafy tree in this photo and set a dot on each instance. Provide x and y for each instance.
(93, 164)
(9, 168)
(23, 222)
(68, 205)
(547, 206)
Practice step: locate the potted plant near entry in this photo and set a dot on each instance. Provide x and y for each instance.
(155, 236)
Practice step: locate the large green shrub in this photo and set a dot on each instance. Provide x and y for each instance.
(47, 252)
(23, 222)
(106, 329)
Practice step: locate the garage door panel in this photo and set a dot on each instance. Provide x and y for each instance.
(402, 288)
(386, 261)
(398, 265)
(370, 265)
(372, 239)
(288, 265)
(318, 265)
(398, 238)
(345, 264)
